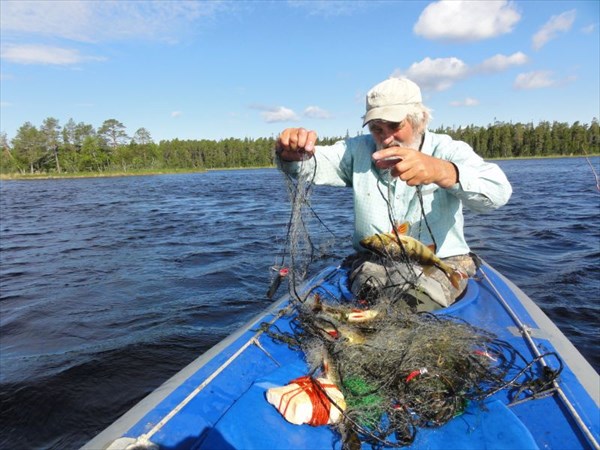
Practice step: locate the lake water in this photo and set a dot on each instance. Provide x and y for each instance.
(111, 285)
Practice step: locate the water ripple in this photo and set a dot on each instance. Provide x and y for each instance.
(109, 286)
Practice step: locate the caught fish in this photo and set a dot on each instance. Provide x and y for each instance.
(330, 370)
(350, 439)
(393, 245)
(347, 333)
(281, 274)
(350, 315)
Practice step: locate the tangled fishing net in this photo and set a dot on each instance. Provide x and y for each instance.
(398, 370)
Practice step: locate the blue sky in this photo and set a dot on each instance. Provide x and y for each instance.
(212, 70)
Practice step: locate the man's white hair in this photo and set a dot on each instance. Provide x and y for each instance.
(419, 117)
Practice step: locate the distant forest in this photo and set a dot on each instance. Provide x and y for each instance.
(81, 148)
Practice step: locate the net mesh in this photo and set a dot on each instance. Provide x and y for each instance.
(398, 370)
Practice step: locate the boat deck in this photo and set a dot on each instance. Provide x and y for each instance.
(218, 401)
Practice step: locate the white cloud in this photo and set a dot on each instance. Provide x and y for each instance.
(276, 114)
(463, 21)
(436, 74)
(44, 54)
(466, 102)
(557, 24)
(441, 73)
(589, 28)
(498, 63)
(94, 21)
(5, 104)
(535, 80)
(315, 112)
(176, 114)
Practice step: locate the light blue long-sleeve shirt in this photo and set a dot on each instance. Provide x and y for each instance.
(482, 187)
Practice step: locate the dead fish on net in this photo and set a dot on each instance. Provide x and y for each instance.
(346, 333)
(350, 315)
(333, 330)
(387, 244)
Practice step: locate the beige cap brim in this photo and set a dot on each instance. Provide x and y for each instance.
(393, 113)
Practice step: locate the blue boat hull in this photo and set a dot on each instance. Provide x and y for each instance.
(218, 401)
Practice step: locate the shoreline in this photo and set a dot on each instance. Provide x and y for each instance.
(116, 174)
(143, 173)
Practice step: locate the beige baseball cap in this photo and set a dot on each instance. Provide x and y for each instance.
(392, 100)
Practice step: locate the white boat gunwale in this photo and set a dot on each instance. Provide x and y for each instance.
(133, 415)
(581, 368)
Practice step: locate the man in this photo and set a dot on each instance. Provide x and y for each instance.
(401, 171)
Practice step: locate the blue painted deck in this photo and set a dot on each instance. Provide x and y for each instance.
(218, 402)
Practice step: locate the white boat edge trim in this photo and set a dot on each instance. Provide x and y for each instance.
(583, 370)
(132, 416)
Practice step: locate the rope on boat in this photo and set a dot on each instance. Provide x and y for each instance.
(525, 331)
(252, 341)
(400, 370)
(593, 171)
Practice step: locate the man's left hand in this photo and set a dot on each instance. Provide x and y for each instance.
(416, 168)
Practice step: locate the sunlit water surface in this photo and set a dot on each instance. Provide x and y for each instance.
(110, 286)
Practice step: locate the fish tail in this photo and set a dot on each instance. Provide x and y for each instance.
(453, 275)
(455, 278)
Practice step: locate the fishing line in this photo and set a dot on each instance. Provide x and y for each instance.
(390, 210)
(420, 197)
(399, 371)
(593, 170)
(394, 222)
(299, 191)
(299, 243)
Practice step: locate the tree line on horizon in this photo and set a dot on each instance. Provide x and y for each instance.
(79, 147)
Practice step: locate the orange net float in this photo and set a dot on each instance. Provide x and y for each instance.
(308, 400)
